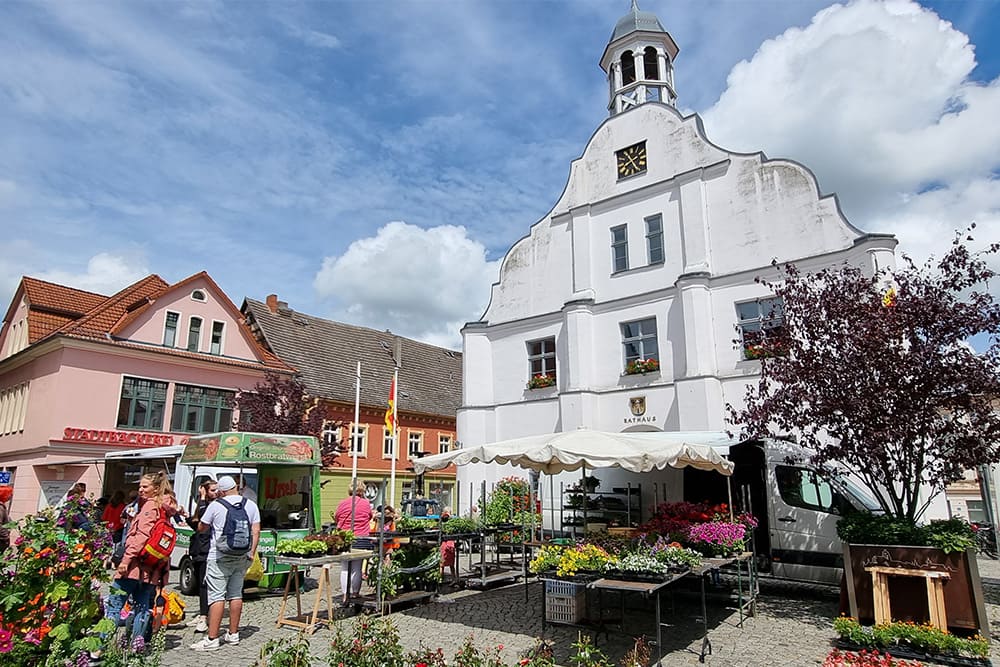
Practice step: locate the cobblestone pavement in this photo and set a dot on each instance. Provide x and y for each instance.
(792, 626)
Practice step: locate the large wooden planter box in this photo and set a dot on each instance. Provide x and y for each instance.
(963, 590)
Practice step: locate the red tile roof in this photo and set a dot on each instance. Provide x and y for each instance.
(51, 306)
(65, 311)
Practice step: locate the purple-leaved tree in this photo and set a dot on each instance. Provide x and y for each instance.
(872, 372)
(280, 404)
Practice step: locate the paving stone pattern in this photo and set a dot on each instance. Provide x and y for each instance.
(793, 626)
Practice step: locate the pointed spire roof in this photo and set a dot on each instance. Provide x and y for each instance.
(636, 20)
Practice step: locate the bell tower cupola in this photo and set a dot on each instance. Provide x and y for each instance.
(639, 62)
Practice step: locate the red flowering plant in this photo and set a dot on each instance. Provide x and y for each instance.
(837, 658)
(50, 605)
(642, 366)
(540, 381)
(674, 520)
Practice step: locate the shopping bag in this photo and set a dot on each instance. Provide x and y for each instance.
(256, 570)
(173, 610)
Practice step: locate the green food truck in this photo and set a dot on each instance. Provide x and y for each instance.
(279, 472)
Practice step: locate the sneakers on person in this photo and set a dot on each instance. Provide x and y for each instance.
(233, 638)
(201, 625)
(207, 644)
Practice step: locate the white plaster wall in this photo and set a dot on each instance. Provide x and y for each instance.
(725, 217)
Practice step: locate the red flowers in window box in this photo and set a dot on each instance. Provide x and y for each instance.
(541, 381)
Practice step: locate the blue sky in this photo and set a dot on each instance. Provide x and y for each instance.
(372, 162)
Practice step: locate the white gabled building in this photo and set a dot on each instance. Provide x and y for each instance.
(650, 252)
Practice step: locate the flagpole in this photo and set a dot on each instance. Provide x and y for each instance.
(354, 430)
(395, 432)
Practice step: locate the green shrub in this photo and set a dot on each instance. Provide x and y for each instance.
(949, 535)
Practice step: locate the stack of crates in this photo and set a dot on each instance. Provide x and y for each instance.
(565, 601)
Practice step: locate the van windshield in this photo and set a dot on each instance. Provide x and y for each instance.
(860, 495)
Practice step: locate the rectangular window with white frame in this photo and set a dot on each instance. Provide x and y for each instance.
(194, 334)
(414, 443)
(654, 239)
(542, 359)
(619, 249)
(761, 324)
(387, 443)
(218, 328)
(359, 440)
(170, 329)
(639, 341)
(444, 444)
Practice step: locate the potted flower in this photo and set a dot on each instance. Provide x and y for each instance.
(540, 381)
(642, 366)
(718, 538)
(591, 483)
(636, 567)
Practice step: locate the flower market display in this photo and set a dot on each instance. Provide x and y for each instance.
(510, 503)
(50, 603)
(902, 637)
(675, 540)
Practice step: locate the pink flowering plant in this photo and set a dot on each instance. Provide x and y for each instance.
(718, 538)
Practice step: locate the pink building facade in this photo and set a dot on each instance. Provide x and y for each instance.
(82, 374)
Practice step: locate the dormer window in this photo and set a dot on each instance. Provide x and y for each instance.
(199, 295)
(194, 334)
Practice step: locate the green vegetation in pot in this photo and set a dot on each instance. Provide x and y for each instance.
(301, 548)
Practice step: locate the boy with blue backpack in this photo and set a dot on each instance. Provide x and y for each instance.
(234, 522)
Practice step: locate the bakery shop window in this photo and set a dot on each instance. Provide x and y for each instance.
(142, 404)
(201, 409)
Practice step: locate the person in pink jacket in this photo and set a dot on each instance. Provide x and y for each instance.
(138, 580)
(350, 571)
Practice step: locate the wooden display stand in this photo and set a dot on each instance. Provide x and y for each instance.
(935, 592)
(324, 591)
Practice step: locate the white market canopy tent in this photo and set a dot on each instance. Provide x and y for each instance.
(558, 452)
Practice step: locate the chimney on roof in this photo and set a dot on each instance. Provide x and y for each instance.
(272, 303)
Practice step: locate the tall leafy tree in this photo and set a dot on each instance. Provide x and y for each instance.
(281, 404)
(873, 372)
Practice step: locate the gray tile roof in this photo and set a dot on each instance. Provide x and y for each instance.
(326, 354)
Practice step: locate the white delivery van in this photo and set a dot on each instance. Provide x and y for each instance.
(797, 507)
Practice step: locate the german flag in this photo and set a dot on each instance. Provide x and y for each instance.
(390, 412)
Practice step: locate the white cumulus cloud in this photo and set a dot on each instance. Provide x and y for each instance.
(877, 99)
(105, 273)
(420, 283)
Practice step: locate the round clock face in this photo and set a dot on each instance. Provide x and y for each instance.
(631, 160)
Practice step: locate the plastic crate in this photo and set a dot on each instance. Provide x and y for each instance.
(564, 588)
(566, 608)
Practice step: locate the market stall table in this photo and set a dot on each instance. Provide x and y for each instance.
(323, 591)
(644, 588)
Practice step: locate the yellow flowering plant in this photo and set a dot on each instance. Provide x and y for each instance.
(583, 557)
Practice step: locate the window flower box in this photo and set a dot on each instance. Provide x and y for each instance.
(642, 366)
(541, 381)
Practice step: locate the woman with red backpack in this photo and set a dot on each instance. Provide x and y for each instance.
(137, 574)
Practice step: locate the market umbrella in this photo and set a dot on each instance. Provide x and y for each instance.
(571, 450)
